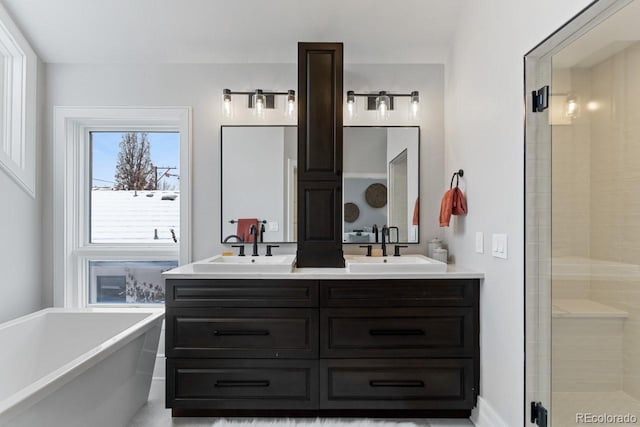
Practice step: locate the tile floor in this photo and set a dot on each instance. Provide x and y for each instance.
(154, 414)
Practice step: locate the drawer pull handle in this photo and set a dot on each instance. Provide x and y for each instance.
(382, 383)
(240, 332)
(396, 332)
(242, 383)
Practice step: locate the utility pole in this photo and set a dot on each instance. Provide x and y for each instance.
(165, 173)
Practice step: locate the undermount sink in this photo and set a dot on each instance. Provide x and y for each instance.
(392, 264)
(246, 264)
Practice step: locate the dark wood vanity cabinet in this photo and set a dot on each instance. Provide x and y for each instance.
(328, 347)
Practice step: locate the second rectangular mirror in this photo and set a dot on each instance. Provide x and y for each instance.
(381, 184)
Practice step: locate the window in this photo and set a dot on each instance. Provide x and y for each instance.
(127, 282)
(123, 178)
(135, 188)
(18, 68)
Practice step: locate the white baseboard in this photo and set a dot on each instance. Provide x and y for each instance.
(484, 415)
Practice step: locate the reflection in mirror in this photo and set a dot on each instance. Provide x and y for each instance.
(259, 183)
(381, 184)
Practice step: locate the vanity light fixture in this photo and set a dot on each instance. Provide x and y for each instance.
(260, 101)
(383, 103)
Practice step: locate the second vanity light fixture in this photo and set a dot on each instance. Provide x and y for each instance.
(260, 101)
(383, 103)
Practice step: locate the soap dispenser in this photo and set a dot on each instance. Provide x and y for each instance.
(432, 246)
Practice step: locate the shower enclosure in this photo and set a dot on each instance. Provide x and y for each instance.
(583, 221)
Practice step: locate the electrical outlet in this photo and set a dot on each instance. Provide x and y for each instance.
(480, 242)
(499, 246)
(273, 226)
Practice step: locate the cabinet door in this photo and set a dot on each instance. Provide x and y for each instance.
(242, 384)
(399, 293)
(320, 93)
(248, 333)
(424, 384)
(397, 332)
(241, 293)
(319, 229)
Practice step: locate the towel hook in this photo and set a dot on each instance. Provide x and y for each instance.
(456, 175)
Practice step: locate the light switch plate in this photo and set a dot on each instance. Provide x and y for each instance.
(273, 226)
(499, 246)
(479, 242)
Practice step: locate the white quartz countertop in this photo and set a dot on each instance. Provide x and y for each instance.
(453, 272)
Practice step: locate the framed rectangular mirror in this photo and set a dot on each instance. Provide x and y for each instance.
(259, 183)
(381, 183)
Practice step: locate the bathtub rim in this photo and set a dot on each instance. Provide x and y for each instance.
(38, 390)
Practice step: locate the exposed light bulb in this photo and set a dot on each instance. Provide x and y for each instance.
(350, 109)
(259, 103)
(351, 104)
(383, 105)
(290, 106)
(415, 105)
(227, 110)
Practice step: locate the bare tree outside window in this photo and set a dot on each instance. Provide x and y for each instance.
(134, 170)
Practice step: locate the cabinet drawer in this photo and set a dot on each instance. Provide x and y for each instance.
(241, 293)
(398, 293)
(412, 332)
(242, 384)
(445, 384)
(242, 332)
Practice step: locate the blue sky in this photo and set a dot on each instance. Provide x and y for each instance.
(165, 151)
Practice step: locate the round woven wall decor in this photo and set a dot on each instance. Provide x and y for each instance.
(351, 212)
(376, 195)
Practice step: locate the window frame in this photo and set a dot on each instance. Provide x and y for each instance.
(19, 115)
(72, 202)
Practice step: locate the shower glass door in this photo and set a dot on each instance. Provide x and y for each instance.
(595, 217)
(583, 223)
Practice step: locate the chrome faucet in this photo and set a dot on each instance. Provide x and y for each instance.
(385, 233)
(253, 231)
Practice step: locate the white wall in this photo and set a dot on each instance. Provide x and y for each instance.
(200, 86)
(20, 227)
(484, 134)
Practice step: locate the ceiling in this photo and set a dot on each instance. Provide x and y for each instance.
(234, 31)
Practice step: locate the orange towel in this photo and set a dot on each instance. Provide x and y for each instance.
(453, 203)
(244, 224)
(416, 213)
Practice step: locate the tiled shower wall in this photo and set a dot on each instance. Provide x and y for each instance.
(596, 215)
(615, 201)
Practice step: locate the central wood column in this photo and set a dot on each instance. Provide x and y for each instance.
(320, 89)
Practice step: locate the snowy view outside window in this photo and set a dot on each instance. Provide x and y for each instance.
(135, 199)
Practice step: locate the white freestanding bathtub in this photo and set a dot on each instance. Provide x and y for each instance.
(88, 367)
